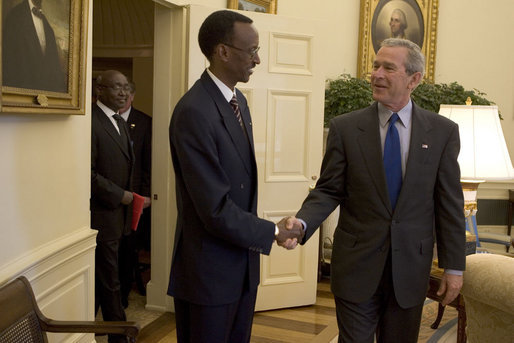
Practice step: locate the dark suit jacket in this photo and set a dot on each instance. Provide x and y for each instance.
(218, 235)
(24, 65)
(430, 205)
(111, 174)
(140, 128)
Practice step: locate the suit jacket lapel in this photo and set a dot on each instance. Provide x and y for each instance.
(231, 123)
(371, 149)
(419, 149)
(111, 131)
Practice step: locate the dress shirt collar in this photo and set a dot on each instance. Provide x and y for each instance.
(108, 112)
(125, 115)
(227, 92)
(405, 114)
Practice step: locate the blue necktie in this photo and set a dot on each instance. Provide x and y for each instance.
(393, 161)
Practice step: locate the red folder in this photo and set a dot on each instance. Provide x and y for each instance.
(137, 209)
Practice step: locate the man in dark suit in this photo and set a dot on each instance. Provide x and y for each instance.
(215, 267)
(140, 129)
(393, 169)
(112, 161)
(29, 50)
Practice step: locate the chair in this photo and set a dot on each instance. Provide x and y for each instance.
(488, 297)
(22, 321)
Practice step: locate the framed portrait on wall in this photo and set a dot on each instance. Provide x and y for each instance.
(263, 6)
(415, 20)
(43, 56)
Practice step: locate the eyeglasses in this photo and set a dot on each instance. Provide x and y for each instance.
(117, 88)
(251, 53)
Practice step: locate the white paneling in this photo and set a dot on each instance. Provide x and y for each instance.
(287, 141)
(62, 275)
(290, 54)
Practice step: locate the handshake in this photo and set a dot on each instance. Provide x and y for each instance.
(290, 232)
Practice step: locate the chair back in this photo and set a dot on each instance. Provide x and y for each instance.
(18, 317)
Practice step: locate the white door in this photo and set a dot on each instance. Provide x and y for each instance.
(285, 95)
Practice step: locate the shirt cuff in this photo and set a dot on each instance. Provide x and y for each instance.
(304, 224)
(276, 231)
(453, 272)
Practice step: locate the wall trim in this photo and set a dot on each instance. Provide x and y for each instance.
(29, 263)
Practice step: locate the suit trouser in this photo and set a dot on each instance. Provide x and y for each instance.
(107, 284)
(128, 262)
(358, 322)
(231, 323)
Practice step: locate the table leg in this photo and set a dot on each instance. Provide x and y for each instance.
(440, 312)
(461, 326)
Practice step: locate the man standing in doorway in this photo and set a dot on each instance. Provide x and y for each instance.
(112, 162)
(140, 130)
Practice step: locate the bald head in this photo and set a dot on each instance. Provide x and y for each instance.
(112, 89)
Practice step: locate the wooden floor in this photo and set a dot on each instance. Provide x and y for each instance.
(315, 323)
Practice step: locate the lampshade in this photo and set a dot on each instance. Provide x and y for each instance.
(483, 151)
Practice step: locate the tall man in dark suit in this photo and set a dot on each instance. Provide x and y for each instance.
(215, 266)
(112, 161)
(140, 129)
(393, 169)
(30, 58)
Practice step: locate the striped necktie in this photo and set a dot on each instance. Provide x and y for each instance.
(237, 112)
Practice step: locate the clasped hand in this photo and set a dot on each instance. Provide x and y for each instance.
(290, 232)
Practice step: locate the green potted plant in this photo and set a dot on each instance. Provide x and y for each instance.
(346, 94)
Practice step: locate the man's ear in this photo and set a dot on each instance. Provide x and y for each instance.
(221, 52)
(415, 79)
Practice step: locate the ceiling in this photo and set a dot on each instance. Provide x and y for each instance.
(123, 28)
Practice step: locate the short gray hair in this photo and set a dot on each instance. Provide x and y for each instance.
(415, 58)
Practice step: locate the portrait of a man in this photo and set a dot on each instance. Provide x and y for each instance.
(397, 19)
(398, 24)
(35, 44)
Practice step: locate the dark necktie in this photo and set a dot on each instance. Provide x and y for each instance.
(237, 112)
(122, 126)
(393, 161)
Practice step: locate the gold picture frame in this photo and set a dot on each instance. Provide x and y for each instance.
(55, 83)
(420, 17)
(263, 6)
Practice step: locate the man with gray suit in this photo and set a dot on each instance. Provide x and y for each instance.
(392, 167)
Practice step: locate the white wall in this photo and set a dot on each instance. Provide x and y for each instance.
(44, 178)
(479, 53)
(44, 207)
(471, 50)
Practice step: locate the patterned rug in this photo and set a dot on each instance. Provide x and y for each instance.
(447, 330)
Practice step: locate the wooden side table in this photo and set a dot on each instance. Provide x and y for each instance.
(435, 280)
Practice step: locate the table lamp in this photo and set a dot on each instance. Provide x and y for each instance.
(483, 153)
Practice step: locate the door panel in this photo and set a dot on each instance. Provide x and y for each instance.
(285, 95)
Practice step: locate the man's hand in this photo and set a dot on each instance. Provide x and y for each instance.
(450, 287)
(128, 197)
(290, 232)
(147, 202)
